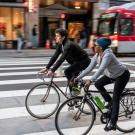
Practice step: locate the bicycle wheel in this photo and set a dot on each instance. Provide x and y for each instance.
(126, 119)
(39, 101)
(70, 118)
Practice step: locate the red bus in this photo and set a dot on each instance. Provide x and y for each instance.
(118, 23)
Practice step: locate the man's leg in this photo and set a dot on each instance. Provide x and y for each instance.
(100, 83)
(76, 68)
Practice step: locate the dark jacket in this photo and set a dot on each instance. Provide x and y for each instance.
(70, 52)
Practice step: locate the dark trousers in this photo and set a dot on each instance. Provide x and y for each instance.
(119, 85)
(76, 68)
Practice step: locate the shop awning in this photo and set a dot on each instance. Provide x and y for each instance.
(9, 4)
(82, 0)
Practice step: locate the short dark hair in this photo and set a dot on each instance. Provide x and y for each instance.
(62, 32)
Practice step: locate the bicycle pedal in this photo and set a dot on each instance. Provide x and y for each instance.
(76, 118)
(70, 108)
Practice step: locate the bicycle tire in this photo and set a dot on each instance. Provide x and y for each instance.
(39, 96)
(66, 114)
(127, 100)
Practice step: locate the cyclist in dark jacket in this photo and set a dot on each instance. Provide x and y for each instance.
(71, 52)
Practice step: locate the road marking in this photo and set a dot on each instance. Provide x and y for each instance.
(7, 113)
(129, 64)
(96, 130)
(26, 81)
(18, 93)
(14, 93)
(20, 68)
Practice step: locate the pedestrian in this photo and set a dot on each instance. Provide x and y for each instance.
(2, 40)
(113, 71)
(83, 38)
(69, 51)
(35, 36)
(20, 38)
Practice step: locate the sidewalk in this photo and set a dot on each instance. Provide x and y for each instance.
(29, 53)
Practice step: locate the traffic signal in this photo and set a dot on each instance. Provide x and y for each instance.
(63, 16)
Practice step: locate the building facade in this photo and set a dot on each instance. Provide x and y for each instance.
(49, 15)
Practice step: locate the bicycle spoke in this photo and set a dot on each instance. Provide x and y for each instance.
(126, 120)
(74, 118)
(39, 100)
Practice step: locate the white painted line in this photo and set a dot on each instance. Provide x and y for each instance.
(129, 64)
(25, 81)
(21, 68)
(17, 93)
(14, 93)
(22, 112)
(23, 63)
(96, 130)
(18, 73)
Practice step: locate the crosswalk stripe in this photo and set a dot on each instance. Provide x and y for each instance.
(24, 63)
(129, 64)
(20, 68)
(22, 112)
(36, 72)
(25, 81)
(93, 131)
(14, 93)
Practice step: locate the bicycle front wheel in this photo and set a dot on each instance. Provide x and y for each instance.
(39, 101)
(126, 119)
(71, 118)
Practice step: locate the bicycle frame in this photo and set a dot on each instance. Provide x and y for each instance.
(52, 83)
(90, 98)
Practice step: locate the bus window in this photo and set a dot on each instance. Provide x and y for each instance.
(107, 24)
(126, 26)
(107, 27)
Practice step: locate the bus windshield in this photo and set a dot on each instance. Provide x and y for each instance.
(107, 24)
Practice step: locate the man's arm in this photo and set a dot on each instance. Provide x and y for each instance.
(60, 61)
(54, 57)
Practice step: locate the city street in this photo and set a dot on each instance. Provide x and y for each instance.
(18, 74)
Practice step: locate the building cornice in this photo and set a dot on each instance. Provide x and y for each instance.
(9, 4)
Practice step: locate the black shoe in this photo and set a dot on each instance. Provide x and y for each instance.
(110, 126)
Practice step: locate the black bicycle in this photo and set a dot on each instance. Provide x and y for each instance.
(40, 101)
(78, 113)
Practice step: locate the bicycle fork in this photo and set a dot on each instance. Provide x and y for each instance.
(80, 109)
(46, 95)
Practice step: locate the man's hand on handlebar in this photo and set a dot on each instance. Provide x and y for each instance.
(43, 71)
(50, 73)
(87, 84)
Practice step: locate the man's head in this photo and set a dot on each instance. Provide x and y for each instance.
(60, 35)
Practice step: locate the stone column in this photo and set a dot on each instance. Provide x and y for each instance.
(31, 19)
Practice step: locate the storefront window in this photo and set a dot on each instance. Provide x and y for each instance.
(74, 29)
(9, 19)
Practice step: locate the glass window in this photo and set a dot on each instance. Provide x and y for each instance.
(126, 26)
(107, 27)
(9, 19)
(107, 24)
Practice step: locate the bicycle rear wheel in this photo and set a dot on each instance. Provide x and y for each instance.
(71, 118)
(39, 101)
(126, 119)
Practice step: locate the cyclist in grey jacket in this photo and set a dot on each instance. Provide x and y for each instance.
(113, 71)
